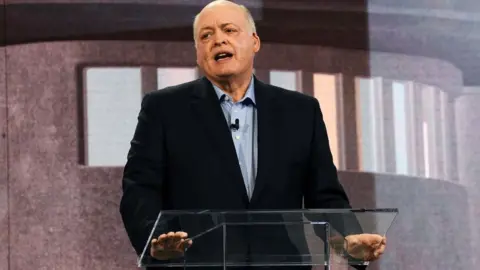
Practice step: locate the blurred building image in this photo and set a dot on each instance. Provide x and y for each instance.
(398, 83)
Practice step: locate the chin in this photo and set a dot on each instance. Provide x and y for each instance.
(225, 74)
(225, 70)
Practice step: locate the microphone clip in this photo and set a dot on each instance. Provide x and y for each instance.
(235, 126)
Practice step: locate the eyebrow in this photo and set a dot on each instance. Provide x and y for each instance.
(221, 26)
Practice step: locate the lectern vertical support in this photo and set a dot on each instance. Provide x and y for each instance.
(327, 246)
(224, 228)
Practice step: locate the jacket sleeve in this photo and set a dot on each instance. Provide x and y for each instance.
(143, 176)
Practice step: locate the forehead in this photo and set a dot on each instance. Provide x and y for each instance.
(220, 15)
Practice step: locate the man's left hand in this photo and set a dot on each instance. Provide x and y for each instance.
(366, 247)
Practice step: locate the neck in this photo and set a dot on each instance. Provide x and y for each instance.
(235, 86)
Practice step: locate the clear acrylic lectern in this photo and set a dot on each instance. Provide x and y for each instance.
(222, 239)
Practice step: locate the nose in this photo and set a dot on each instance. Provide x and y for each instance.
(220, 39)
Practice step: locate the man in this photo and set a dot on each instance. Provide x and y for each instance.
(228, 141)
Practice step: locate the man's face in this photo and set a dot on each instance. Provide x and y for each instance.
(225, 44)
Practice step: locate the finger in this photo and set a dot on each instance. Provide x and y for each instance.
(373, 241)
(382, 243)
(162, 238)
(381, 249)
(156, 242)
(176, 238)
(185, 244)
(157, 245)
(376, 239)
(182, 234)
(169, 240)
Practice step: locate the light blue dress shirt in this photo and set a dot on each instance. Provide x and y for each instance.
(245, 138)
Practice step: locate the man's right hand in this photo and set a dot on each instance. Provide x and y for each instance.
(170, 246)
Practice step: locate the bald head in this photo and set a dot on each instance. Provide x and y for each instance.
(217, 3)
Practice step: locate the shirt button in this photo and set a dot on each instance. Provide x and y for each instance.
(237, 137)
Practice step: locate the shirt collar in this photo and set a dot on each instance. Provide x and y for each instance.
(249, 95)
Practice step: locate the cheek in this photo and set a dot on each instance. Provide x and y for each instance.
(201, 53)
(244, 50)
(202, 59)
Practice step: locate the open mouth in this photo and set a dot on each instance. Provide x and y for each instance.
(223, 56)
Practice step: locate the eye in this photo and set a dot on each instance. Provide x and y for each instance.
(230, 30)
(205, 35)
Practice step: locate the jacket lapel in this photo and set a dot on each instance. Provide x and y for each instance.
(267, 115)
(206, 108)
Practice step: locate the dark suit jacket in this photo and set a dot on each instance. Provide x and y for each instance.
(182, 157)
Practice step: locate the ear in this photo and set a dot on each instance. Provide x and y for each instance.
(256, 42)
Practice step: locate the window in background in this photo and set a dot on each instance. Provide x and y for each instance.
(426, 150)
(400, 108)
(446, 132)
(172, 76)
(433, 150)
(113, 97)
(412, 139)
(370, 129)
(326, 91)
(291, 80)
